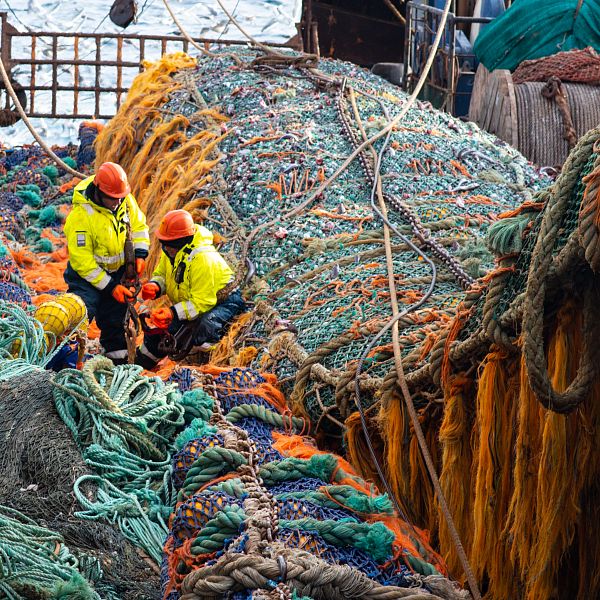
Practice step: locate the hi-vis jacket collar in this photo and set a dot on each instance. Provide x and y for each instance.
(96, 236)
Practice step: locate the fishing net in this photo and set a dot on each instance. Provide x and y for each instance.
(40, 463)
(245, 474)
(246, 150)
(577, 66)
(240, 148)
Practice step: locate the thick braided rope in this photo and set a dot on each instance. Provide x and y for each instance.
(588, 226)
(346, 496)
(535, 295)
(226, 524)
(306, 574)
(304, 372)
(271, 417)
(373, 538)
(211, 463)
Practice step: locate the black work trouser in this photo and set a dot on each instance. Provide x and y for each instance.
(209, 328)
(109, 313)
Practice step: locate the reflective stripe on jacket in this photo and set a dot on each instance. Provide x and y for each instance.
(201, 271)
(96, 236)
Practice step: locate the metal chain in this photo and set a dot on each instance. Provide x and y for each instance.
(408, 215)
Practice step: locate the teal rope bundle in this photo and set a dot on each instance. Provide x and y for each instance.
(347, 497)
(374, 538)
(34, 562)
(123, 423)
(21, 336)
(211, 463)
(226, 524)
(118, 408)
(320, 466)
(15, 367)
(336, 496)
(271, 417)
(128, 510)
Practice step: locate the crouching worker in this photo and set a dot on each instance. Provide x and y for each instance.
(191, 272)
(96, 231)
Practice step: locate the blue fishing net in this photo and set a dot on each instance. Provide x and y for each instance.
(10, 201)
(237, 378)
(261, 434)
(13, 293)
(183, 378)
(192, 515)
(184, 459)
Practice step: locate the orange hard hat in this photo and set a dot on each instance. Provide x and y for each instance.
(174, 225)
(111, 180)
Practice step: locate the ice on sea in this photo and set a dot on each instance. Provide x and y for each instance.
(267, 20)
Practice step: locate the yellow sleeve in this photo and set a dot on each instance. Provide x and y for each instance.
(203, 290)
(159, 275)
(81, 249)
(139, 228)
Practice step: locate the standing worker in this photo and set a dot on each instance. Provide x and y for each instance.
(191, 272)
(97, 229)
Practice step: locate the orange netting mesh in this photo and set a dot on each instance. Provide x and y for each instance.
(576, 66)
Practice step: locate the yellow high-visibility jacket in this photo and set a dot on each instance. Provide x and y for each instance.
(96, 237)
(193, 278)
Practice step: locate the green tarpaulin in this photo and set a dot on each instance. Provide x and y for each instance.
(532, 28)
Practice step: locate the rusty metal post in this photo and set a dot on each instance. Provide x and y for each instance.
(119, 70)
(307, 25)
(97, 90)
(33, 74)
(76, 76)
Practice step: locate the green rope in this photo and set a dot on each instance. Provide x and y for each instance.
(320, 466)
(16, 367)
(198, 428)
(213, 535)
(118, 408)
(257, 411)
(346, 496)
(123, 422)
(197, 404)
(374, 538)
(34, 562)
(21, 336)
(15, 279)
(128, 510)
(210, 464)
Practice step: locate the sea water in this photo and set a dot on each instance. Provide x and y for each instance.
(266, 20)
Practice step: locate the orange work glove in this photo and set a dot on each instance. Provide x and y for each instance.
(161, 317)
(140, 265)
(122, 294)
(150, 290)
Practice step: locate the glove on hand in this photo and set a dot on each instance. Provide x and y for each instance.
(140, 265)
(150, 290)
(162, 317)
(122, 294)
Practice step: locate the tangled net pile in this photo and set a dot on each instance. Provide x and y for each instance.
(576, 66)
(39, 460)
(262, 512)
(248, 506)
(259, 143)
(246, 151)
